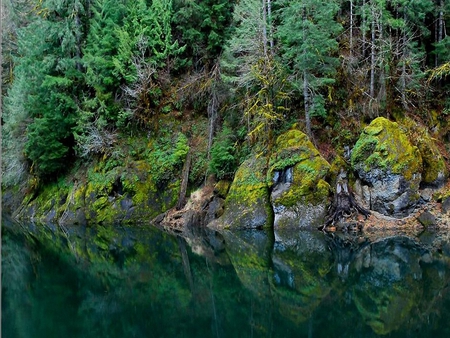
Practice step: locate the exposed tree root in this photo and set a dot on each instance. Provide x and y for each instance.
(344, 205)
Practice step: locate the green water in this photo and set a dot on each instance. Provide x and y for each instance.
(110, 281)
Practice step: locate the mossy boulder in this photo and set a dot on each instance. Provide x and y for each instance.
(296, 175)
(434, 172)
(389, 168)
(247, 205)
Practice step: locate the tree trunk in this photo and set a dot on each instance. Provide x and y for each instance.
(363, 26)
(344, 204)
(351, 29)
(372, 56)
(184, 182)
(404, 54)
(306, 94)
(307, 99)
(269, 19)
(264, 27)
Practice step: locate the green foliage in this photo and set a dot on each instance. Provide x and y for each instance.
(307, 35)
(165, 159)
(202, 25)
(223, 155)
(49, 52)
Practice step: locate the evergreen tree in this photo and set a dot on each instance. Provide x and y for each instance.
(49, 50)
(202, 25)
(307, 36)
(250, 67)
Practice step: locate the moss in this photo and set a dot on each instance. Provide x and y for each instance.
(384, 145)
(249, 183)
(434, 166)
(309, 168)
(50, 201)
(222, 187)
(247, 202)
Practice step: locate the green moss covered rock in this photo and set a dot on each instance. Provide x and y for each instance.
(247, 205)
(389, 167)
(297, 174)
(119, 195)
(434, 172)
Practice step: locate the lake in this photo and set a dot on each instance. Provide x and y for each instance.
(113, 281)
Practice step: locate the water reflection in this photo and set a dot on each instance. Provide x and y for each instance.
(137, 282)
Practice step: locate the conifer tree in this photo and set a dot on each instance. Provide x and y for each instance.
(49, 50)
(307, 36)
(202, 26)
(255, 75)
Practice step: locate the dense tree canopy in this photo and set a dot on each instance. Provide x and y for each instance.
(79, 73)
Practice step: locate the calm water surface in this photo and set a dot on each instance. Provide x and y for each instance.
(110, 281)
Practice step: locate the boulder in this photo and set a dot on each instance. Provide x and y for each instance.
(427, 219)
(296, 175)
(389, 168)
(247, 205)
(446, 205)
(434, 171)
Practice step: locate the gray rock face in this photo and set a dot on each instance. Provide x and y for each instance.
(389, 168)
(427, 219)
(446, 205)
(387, 193)
(247, 205)
(299, 192)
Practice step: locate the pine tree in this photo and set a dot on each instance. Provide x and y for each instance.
(202, 26)
(250, 67)
(49, 50)
(307, 36)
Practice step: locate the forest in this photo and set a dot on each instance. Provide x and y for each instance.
(81, 77)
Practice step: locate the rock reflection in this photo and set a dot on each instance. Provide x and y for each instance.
(387, 282)
(390, 282)
(111, 282)
(299, 274)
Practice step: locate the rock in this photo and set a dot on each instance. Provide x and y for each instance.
(434, 172)
(427, 219)
(247, 205)
(297, 178)
(446, 205)
(389, 166)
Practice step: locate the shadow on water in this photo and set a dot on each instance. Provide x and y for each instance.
(107, 281)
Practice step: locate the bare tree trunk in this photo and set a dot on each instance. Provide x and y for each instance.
(184, 182)
(213, 106)
(306, 93)
(404, 54)
(269, 18)
(363, 25)
(307, 98)
(351, 29)
(439, 27)
(372, 56)
(264, 28)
